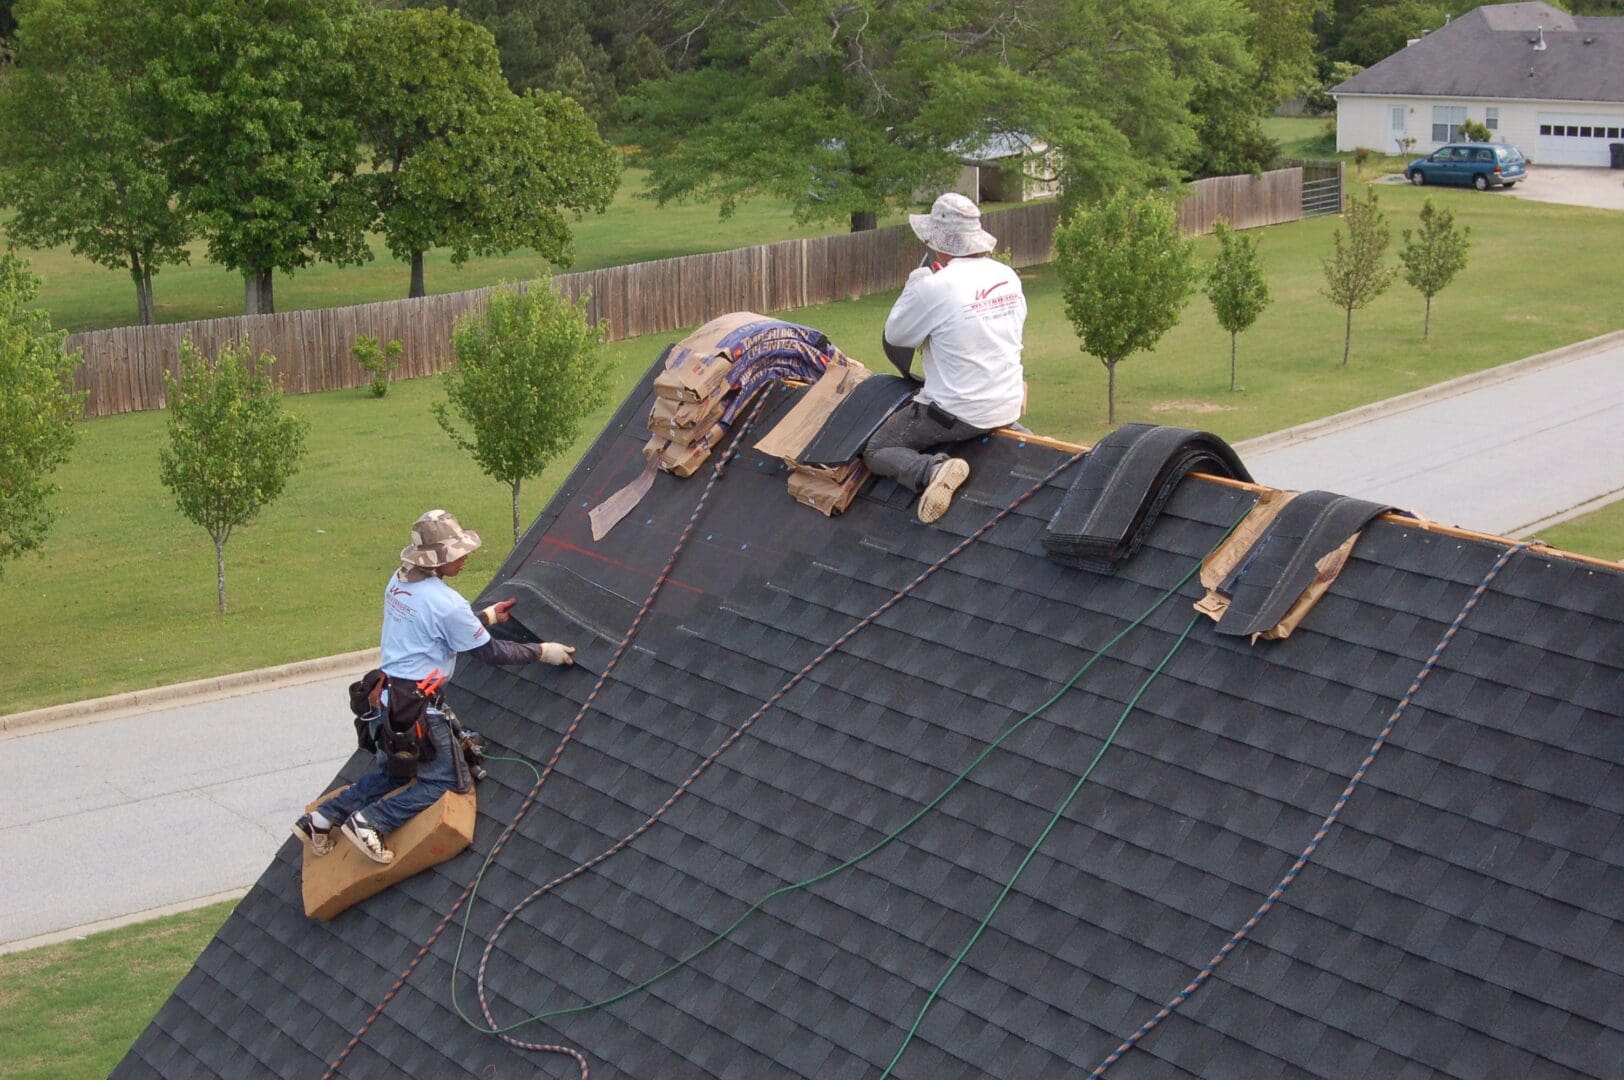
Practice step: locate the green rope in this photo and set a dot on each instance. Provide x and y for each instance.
(849, 863)
(1036, 844)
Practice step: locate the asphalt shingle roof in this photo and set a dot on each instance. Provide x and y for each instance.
(1463, 917)
(1490, 53)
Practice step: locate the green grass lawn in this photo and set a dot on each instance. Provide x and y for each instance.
(1599, 533)
(72, 1010)
(123, 595)
(82, 296)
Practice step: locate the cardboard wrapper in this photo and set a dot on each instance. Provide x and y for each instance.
(685, 421)
(828, 491)
(683, 459)
(693, 376)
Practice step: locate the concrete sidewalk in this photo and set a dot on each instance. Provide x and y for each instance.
(139, 809)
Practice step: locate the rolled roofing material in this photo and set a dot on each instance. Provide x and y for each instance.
(856, 418)
(1124, 483)
(1282, 564)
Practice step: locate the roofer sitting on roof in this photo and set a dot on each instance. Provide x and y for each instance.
(967, 311)
(425, 625)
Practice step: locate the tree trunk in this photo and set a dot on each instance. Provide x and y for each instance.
(1347, 337)
(516, 484)
(143, 289)
(417, 275)
(220, 572)
(1232, 361)
(1110, 391)
(250, 293)
(1426, 323)
(267, 294)
(864, 220)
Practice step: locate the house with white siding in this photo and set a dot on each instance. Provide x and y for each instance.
(1549, 83)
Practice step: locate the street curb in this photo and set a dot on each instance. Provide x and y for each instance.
(73, 713)
(77, 933)
(1428, 394)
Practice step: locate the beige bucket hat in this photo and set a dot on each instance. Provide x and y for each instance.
(437, 539)
(953, 227)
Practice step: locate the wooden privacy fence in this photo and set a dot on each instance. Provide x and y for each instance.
(122, 369)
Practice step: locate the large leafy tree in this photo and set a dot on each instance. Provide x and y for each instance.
(81, 150)
(1125, 273)
(458, 160)
(232, 445)
(529, 368)
(38, 411)
(831, 105)
(259, 100)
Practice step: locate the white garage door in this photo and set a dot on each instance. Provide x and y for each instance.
(1577, 138)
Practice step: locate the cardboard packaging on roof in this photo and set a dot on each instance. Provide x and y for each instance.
(685, 422)
(335, 882)
(830, 491)
(798, 427)
(693, 376)
(684, 459)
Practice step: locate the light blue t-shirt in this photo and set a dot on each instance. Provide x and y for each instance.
(425, 625)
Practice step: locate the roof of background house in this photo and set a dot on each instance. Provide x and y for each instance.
(1464, 915)
(1490, 53)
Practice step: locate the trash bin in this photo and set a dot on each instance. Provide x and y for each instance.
(1617, 151)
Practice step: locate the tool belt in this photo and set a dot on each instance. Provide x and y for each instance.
(402, 734)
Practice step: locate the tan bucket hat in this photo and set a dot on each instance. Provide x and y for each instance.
(437, 539)
(953, 227)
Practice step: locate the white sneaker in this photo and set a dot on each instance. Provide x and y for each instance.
(321, 840)
(365, 837)
(938, 494)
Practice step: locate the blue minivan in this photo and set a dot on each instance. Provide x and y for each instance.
(1483, 165)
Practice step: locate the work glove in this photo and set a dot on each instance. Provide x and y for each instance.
(498, 612)
(551, 652)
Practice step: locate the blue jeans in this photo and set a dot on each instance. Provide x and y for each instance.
(387, 806)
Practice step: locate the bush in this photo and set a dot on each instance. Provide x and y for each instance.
(375, 361)
(1472, 131)
(1362, 155)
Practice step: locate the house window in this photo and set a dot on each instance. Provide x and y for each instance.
(1573, 131)
(1584, 133)
(1396, 118)
(1446, 122)
(1491, 118)
(1545, 129)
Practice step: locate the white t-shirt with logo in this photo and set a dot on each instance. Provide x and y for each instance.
(968, 317)
(425, 625)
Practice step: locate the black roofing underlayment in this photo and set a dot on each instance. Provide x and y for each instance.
(1463, 917)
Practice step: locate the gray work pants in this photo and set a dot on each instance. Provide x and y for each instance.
(898, 448)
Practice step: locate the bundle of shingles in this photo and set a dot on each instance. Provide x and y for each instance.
(827, 487)
(685, 422)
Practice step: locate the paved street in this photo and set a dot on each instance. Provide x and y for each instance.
(123, 815)
(1505, 457)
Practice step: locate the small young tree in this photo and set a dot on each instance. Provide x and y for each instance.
(376, 360)
(1125, 273)
(528, 369)
(1235, 285)
(1434, 256)
(1354, 274)
(232, 445)
(38, 410)
(1473, 131)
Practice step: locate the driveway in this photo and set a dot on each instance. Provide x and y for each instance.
(1601, 188)
(1570, 185)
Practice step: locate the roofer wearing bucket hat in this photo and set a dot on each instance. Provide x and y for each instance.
(967, 311)
(426, 624)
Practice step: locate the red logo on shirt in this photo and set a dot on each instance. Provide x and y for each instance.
(396, 590)
(982, 294)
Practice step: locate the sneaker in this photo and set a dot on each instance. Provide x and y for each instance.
(321, 840)
(938, 494)
(365, 837)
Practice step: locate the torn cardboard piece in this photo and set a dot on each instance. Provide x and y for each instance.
(830, 491)
(335, 882)
(609, 513)
(803, 422)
